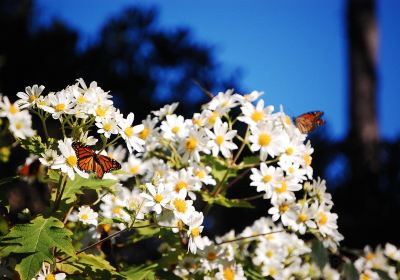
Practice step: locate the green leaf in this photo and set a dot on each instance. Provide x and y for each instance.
(95, 262)
(319, 254)
(75, 187)
(35, 241)
(219, 169)
(252, 274)
(141, 272)
(251, 160)
(226, 202)
(350, 272)
(34, 145)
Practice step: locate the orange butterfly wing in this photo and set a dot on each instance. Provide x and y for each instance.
(104, 164)
(85, 155)
(309, 121)
(89, 161)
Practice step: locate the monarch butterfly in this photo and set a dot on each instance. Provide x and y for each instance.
(89, 160)
(309, 121)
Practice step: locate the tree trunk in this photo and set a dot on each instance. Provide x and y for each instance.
(363, 138)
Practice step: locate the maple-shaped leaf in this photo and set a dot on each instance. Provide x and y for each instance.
(33, 244)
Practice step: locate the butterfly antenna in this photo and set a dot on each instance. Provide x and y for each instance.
(204, 90)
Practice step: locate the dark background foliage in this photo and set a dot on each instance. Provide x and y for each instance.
(146, 66)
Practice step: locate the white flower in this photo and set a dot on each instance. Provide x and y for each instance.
(174, 127)
(254, 115)
(118, 153)
(148, 129)
(68, 161)
(48, 157)
(135, 166)
(280, 210)
(294, 170)
(302, 217)
(8, 109)
(203, 174)
(166, 110)
(29, 97)
(265, 178)
(107, 125)
(84, 138)
(195, 222)
(182, 208)
(192, 145)
(87, 216)
(183, 182)
(112, 206)
(46, 273)
(230, 271)
(221, 139)
(267, 139)
(392, 252)
(250, 97)
(326, 221)
(158, 198)
(130, 133)
(21, 125)
(62, 103)
(223, 102)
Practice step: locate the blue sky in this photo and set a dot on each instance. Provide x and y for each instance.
(294, 51)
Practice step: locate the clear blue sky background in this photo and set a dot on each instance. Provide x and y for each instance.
(294, 51)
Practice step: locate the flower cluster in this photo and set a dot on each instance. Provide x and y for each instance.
(171, 166)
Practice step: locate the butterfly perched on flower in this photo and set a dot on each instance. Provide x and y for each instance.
(309, 121)
(90, 161)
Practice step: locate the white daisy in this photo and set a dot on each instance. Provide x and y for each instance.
(87, 216)
(158, 198)
(130, 133)
(62, 103)
(174, 127)
(221, 139)
(29, 97)
(107, 125)
(195, 222)
(48, 157)
(21, 125)
(254, 115)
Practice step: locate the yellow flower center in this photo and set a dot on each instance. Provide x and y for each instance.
(219, 140)
(288, 121)
(81, 99)
(144, 133)
(84, 217)
(180, 225)
(13, 109)
(134, 169)
(282, 188)
(117, 210)
(257, 116)
(100, 111)
(307, 159)
(264, 139)
(283, 208)
(289, 151)
(175, 129)
(200, 174)
(106, 227)
(229, 274)
(272, 271)
(196, 121)
(191, 144)
(370, 256)
(364, 276)
(107, 127)
(41, 102)
(269, 253)
(213, 117)
(72, 160)
(211, 256)
(195, 232)
(267, 178)
(19, 125)
(128, 131)
(291, 170)
(158, 198)
(50, 276)
(32, 98)
(180, 185)
(302, 217)
(60, 107)
(323, 218)
(180, 205)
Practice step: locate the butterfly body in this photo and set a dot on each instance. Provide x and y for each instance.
(307, 122)
(90, 161)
